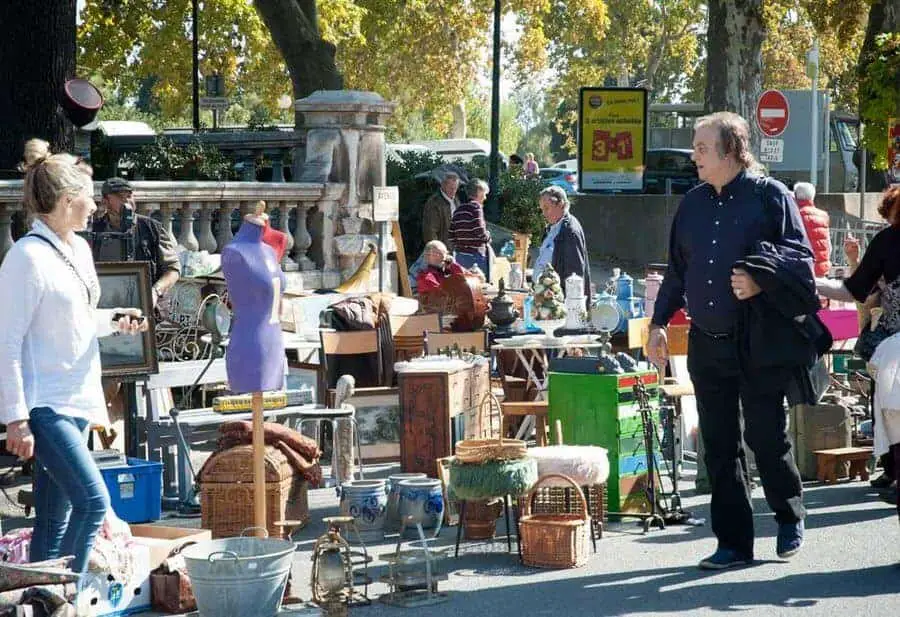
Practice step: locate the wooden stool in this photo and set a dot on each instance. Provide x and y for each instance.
(538, 409)
(828, 460)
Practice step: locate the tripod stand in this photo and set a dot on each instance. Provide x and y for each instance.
(654, 518)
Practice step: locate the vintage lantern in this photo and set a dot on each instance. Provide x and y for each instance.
(332, 570)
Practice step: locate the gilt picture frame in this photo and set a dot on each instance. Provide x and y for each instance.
(127, 285)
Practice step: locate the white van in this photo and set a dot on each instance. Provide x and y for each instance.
(461, 149)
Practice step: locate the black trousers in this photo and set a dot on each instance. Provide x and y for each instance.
(722, 392)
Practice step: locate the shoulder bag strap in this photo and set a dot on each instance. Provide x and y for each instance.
(68, 262)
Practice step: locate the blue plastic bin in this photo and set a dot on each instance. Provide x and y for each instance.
(135, 490)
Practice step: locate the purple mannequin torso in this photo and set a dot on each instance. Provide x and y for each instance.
(255, 357)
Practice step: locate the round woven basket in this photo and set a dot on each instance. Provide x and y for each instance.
(484, 481)
(476, 451)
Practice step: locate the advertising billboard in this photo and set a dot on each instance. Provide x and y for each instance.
(612, 139)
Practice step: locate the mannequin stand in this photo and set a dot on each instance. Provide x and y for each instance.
(259, 466)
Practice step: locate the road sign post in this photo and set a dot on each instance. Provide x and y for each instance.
(772, 113)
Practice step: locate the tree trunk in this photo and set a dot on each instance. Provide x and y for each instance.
(734, 56)
(295, 30)
(37, 56)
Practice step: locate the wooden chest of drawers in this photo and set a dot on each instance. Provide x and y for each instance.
(438, 407)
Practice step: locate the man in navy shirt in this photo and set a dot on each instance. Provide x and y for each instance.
(718, 223)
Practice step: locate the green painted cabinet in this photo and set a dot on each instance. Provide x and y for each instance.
(601, 410)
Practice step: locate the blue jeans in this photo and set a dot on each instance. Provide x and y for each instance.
(467, 260)
(70, 497)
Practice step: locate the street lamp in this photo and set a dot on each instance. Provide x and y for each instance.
(195, 64)
(812, 70)
(492, 210)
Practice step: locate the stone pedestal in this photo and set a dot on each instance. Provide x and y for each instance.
(345, 146)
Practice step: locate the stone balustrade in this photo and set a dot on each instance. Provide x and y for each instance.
(204, 212)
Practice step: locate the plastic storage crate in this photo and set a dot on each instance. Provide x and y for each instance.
(135, 490)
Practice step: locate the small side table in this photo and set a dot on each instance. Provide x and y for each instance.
(828, 460)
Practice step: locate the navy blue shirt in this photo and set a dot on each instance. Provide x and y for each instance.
(709, 233)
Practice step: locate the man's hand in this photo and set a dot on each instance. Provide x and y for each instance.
(132, 320)
(742, 285)
(658, 346)
(19, 439)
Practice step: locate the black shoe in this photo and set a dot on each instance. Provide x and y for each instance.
(790, 539)
(724, 558)
(882, 481)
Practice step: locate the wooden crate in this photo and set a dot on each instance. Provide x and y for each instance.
(226, 492)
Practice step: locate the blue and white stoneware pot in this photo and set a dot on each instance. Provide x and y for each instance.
(393, 499)
(366, 502)
(423, 500)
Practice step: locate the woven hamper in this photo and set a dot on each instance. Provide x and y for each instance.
(226, 492)
(563, 500)
(555, 540)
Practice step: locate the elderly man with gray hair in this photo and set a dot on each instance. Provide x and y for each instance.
(468, 231)
(563, 247)
(438, 210)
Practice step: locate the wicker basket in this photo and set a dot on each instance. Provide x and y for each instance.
(561, 500)
(477, 451)
(226, 492)
(554, 540)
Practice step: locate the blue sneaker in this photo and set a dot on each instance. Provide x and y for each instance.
(724, 558)
(790, 539)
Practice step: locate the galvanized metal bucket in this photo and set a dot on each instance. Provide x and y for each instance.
(237, 577)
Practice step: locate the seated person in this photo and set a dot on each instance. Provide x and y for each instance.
(439, 265)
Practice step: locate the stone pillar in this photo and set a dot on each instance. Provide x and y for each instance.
(207, 241)
(284, 218)
(6, 239)
(277, 157)
(302, 240)
(187, 239)
(166, 212)
(345, 146)
(224, 233)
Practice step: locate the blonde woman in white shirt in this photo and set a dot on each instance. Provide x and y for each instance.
(50, 390)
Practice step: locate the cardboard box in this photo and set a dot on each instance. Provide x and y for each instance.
(163, 540)
(105, 596)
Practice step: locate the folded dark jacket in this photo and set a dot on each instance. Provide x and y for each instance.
(779, 331)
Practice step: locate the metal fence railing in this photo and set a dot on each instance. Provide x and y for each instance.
(864, 230)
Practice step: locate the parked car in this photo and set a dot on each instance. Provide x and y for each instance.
(565, 178)
(673, 164)
(571, 164)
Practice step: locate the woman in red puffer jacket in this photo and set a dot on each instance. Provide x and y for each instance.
(817, 223)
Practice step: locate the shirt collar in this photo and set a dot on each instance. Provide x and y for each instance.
(446, 196)
(555, 226)
(731, 187)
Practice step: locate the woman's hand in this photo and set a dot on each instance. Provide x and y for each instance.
(19, 439)
(851, 248)
(129, 321)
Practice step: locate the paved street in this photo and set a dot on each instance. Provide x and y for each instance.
(848, 567)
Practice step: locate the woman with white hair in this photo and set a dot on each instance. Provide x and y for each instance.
(564, 246)
(817, 225)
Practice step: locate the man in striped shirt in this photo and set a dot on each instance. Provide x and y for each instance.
(468, 231)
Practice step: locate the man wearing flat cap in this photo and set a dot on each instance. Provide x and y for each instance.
(152, 242)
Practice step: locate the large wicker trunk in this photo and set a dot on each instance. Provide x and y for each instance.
(226, 492)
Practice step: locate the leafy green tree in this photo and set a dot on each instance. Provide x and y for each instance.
(879, 73)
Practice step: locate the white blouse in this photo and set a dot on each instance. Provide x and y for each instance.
(49, 354)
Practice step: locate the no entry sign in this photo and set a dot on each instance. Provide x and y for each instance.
(772, 113)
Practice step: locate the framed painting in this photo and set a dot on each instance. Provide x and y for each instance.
(378, 421)
(127, 285)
